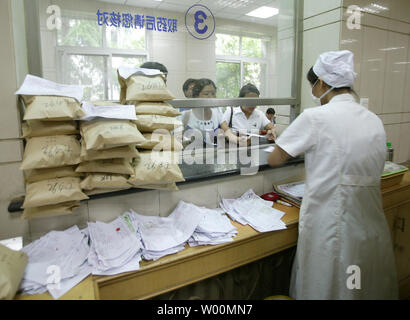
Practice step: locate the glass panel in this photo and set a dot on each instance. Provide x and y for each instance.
(79, 32)
(228, 79)
(123, 38)
(117, 62)
(252, 47)
(252, 73)
(227, 45)
(88, 71)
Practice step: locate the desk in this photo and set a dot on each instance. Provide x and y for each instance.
(198, 263)
(186, 267)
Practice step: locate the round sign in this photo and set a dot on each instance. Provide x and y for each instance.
(200, 22)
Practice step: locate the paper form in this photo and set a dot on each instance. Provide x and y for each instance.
(35, 86)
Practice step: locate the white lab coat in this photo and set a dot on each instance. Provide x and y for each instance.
(341, 222)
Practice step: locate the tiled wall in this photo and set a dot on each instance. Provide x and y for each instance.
(382, 58)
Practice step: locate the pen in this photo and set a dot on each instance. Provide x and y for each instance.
(284, 203)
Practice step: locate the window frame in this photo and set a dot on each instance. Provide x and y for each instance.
(240, 59)
(63, 51)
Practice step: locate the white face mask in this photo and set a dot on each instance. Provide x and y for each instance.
(318, 101)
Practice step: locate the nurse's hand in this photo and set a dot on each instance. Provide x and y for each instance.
(271, 135)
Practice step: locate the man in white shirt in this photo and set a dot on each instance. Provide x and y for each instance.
(246, 119)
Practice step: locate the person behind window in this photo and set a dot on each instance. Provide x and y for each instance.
(246, 119)
(206, 119)
(271, 115)
(156, 66)
(187, 88)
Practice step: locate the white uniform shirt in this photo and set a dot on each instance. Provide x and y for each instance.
(204, 125)
(342, 222)
(257, 120)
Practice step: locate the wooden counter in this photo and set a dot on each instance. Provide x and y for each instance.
(198, 263)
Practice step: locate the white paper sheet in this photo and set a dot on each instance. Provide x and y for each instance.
(126, 72)
(123, 112)
(113, 244)
(58, 255)
(269, 149)
(35, 86)
(162, 233)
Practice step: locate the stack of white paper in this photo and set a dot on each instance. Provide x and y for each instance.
(57, 262)
(253, 210)
(115, 247)
(215, 228)
(162, 236)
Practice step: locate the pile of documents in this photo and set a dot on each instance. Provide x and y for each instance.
(115, 247)
(162, 236)
(215, 228)
(252, 210)
(291, 192)
(56, 262)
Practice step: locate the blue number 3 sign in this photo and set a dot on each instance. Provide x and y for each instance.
(200, 22)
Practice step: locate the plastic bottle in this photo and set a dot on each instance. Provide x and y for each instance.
(390, 152)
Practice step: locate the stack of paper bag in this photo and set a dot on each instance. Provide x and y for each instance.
(52, 149)
(108, 147)
(156, 119)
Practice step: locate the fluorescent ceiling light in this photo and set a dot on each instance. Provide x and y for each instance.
(263, 12)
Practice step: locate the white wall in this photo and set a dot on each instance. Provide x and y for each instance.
(382, 58)
(13, 65)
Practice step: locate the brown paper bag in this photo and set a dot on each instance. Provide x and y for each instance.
(108, 134)
(114, 153)
(118, 166)
(36, 175)
(150, 123)
(52, 108)
(51, 152)
(12, 267)
(54, 191)
(105, 181)
(161, 141)
(39, 128)
(158, 108)
(156, 168)
(144, 88)
(51, 211)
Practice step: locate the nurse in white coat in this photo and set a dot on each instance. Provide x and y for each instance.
(344, 247)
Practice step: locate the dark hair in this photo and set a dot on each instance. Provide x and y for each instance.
(200, 85)
(271, 111)
(312, 77)
(187, 83)
(155, 65)
(249, 88)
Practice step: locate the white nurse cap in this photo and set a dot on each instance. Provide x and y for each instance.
(336, 68)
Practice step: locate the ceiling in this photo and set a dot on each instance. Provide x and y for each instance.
(227, 9)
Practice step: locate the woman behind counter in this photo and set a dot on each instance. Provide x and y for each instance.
(246, 119)
(203, 119)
